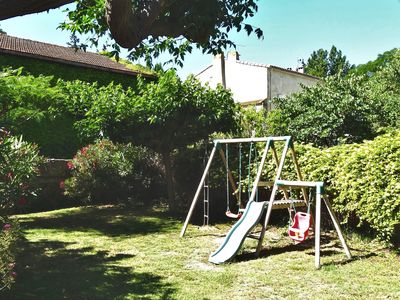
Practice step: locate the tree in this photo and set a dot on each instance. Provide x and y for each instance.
(322, 63)
(383, 88)
(2, 31)
(165, 116)
(373, 66)
(149, 27)
(334, 111)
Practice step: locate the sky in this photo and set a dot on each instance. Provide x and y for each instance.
(293, 29)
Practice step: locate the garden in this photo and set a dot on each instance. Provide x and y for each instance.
(132, 159)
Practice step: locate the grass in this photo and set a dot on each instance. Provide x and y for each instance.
(112, 253)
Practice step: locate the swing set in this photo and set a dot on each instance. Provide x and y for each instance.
(280, 198)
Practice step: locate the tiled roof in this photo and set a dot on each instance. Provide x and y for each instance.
(275, 67)
(60, 54)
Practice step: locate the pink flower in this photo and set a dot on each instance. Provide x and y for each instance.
(9, 175)
(70, 165)
(84, 151)
(22, 201)
(14, 274)
(62, 184)
(7, 227)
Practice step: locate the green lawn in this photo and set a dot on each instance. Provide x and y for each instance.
(112, 253)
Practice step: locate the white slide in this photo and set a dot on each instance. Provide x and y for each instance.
(235, 237)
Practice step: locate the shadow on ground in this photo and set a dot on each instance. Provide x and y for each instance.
(47, 270)
(329, 246)
(110, 221)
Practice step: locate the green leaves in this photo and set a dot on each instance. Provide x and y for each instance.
(362, 180)
(334, 111)
(323, 63)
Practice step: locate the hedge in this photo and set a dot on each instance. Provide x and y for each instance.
(65, 72)
(363, 180)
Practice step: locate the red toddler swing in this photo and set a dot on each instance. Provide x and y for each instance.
(301, 223)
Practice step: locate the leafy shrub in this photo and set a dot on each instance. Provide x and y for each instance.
(9, 234)
(363, 180)
(384, 90)
(31, 106)
(19, 162)
(334, 111)
(113, 173)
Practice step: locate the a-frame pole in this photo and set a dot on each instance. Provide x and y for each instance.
(337, 227)
(271, 200)
(276, 159)
(196, 196)
(259, 171)
(298, 172)
(318, 225)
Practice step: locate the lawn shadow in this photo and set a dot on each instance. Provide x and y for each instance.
(48, 270)
(110, 221)
(329, 247)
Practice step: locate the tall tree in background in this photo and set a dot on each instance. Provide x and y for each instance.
(371, 67)
(323, 63)
(2, 31)
(148, 28)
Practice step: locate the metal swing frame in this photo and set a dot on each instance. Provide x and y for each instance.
(277, 184)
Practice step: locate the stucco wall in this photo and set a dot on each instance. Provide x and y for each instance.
(284, 83)
(250, 83)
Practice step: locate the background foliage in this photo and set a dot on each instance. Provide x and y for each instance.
(113, 173)
(65, 72)
(335, 110)
(363, 180)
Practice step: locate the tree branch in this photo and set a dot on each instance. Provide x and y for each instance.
(12, 8)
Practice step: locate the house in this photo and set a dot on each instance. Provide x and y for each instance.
(252, 83)
(64, 62)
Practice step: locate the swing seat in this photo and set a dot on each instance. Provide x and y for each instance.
(301, 226)
(232, 215)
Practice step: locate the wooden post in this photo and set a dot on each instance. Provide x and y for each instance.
(298, 172)
(271, 200)
(196, 196)
(318, 226)
(276, 159)
(337, 227)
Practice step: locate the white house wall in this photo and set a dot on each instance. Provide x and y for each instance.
(248, 83)
(284, 83)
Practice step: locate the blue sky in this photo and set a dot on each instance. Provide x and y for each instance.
(292, 28)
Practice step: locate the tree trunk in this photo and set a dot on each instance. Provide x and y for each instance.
(169, 178)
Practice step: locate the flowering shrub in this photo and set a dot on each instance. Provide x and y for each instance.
(19, 162)
(112, 173)
(9, 232)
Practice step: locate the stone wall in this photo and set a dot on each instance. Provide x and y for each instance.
(51, 179)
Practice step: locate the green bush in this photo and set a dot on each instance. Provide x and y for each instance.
(9, 235)
(32, 107)
(113, 173)
(19, 162)
(332, 112)
(363, 180)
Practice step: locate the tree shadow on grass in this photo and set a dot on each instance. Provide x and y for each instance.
(110, 221)
(329, 246)
(47, 270)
